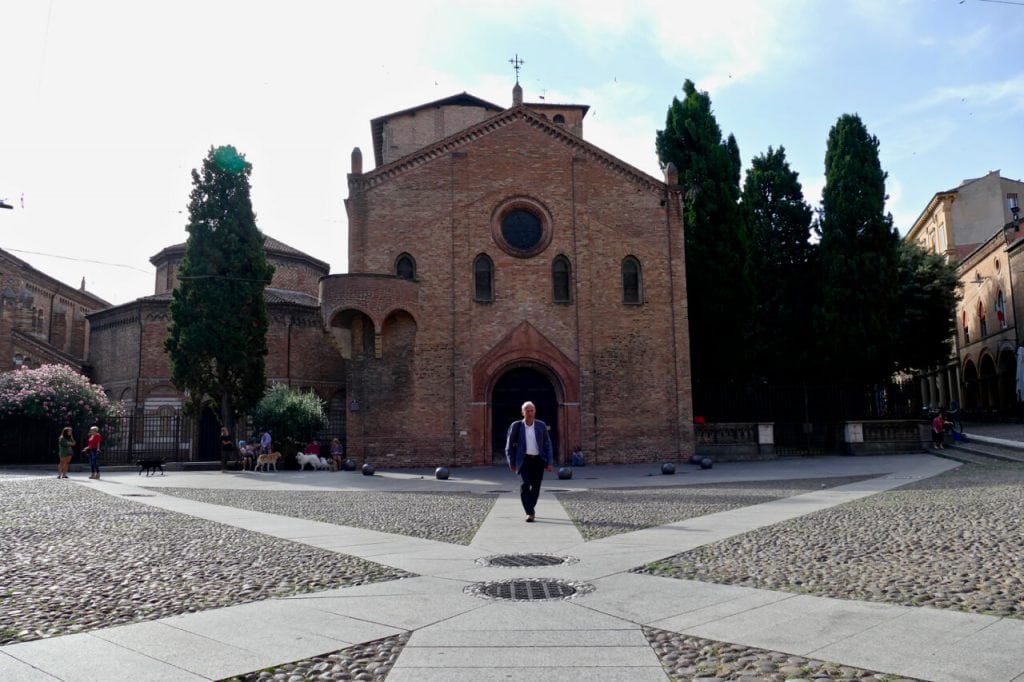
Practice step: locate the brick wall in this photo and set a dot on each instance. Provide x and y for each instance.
(631, 362)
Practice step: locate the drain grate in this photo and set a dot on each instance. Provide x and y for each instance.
(529, 589)
(524, 560)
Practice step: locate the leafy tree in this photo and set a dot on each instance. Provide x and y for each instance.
(859, 277)
(928, 293)
(217, 335)
(779, 267)
(717, 291)
(292, 417)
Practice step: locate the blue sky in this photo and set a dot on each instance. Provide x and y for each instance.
(106, 106)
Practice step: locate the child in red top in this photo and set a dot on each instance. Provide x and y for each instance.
(92, 448)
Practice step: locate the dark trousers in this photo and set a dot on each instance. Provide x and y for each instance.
(532, 472)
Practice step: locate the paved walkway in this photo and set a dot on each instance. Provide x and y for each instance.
(594, 636)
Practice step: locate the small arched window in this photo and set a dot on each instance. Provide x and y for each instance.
(967, 330)
(559, 119)
(1000, 307)
(561, 279)
(981, 320)
(483, 278)
(632, 282)
(405, 267)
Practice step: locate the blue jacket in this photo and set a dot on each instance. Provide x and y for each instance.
(517, 437)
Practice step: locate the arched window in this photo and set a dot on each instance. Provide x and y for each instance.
(981, 320)
(483, 278)
(967, 330)
(559, 119)
(1000, 307)
(632, 282)
(405, 267)
(561, 279)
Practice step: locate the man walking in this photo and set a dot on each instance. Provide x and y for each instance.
(528, 451)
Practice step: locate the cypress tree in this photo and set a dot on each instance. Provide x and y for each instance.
(856, 320)
(717, 290)
(779, 266)
(217, 334)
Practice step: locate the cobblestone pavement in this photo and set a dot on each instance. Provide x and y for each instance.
(951, 542)
(601, 513)
(75, 560)
(447, 517)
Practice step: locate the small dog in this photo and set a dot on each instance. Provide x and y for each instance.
(150, 466)
(314, 461)
(267, 460)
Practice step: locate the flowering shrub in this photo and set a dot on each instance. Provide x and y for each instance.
(54, 393)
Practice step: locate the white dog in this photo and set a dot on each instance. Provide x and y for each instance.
(314, 461)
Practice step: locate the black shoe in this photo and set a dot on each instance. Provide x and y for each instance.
(529, 519)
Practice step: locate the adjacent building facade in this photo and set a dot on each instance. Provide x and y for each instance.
(42, 320)
(966, 225)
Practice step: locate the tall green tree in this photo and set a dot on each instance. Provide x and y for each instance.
(859, 260)
(925, 323)
(779, 268)
(717, 290)
(217, 336)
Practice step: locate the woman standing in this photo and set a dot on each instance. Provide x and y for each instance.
(227, 445)
(92, 448)
(65, 448)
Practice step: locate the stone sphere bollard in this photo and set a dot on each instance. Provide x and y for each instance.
(348, 465)
(441, 473)
(368, 469)
(695, 458)
(668, 468)
(565, 473)
(706, 463)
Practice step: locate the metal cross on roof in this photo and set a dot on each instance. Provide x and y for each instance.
(516, 63)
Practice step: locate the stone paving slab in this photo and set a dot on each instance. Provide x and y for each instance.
(13, 670)
(519, 674)
(405, 612)
(86, 658)
(665, 601)
(255, 628)
(944, 646)
(800, 625)
(197, 654)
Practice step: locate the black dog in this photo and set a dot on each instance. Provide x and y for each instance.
(150, 466)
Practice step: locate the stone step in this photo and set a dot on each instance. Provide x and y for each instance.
(976, 452)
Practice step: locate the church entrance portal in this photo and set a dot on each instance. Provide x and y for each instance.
(513, 389)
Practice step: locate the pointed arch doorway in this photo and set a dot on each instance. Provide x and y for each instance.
(515, 387)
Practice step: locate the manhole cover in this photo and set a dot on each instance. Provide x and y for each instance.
(137, 495)
(524, 560)
(529, 589)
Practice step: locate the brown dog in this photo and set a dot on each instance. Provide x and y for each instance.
(266, 460)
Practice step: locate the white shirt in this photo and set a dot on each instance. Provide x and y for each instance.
(531, 439)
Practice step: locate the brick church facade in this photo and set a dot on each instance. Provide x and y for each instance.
(495, 256)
